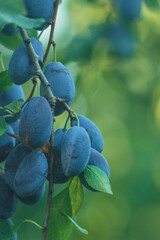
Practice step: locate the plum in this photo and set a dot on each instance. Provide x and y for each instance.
(9, 29)
(12, 94)
(6, 143)
(15, 126)
(40, 9)
(62, 84)
(96, 159)
(8, 199)
(13, 161)
(31, 174)
(36, 197)
(93, 132)
(129, 9)
(20, 66)
(75, 151)
(36, 123)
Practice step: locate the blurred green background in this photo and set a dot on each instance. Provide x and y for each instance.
(118, 88)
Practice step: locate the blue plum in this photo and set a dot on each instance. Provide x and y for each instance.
(93, 132)
(40, 9)
(36, 197)
(9, 29)
(129, 9)
(120, 42)
(62, 84)
(13, 161)
(75, 151)
(31, 174)
(96, 159)
(8, 199)
(6, 143)
(11, 224)
(15, 126)
(12, 94)
(36, 123)
(20, 66)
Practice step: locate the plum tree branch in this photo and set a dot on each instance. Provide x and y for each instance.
(52, 101)
(51, 38)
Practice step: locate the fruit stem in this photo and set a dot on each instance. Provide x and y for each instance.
(32, 92)
(51, 38)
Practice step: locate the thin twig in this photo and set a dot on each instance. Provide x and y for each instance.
(51, 38)
(31, 94)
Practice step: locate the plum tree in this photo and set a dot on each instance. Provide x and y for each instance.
(75, 151)
(6, 143)
(62, 84)
(9, 30)
(20, 66)
(40, 9)
(36, 197)
(31, 174)
(96, 159)
(8, 199)
(36, 122)
(93, 132)
(12, 94)
(13, 161)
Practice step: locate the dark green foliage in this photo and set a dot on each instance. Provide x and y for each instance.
(20, 66)
(40, 9)
(8, 199)
(93, 132)
(11, 224)
(12, 94)
(62, 84)
(31, 174)
(36, 123)
(6, 143)
(75, 151)
(13, 161)
(96, 159)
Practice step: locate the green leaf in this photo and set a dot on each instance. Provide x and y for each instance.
(13, 13)
(59, 227)
(5, 230)
(76, 194)
(5, 81)
(84, 231)
(97, 179)
(3, 126)
(13, 107)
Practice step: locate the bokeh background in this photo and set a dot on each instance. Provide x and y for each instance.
(115, 63)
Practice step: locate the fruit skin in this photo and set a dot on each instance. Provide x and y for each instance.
(13, 161)
(11, 224)
(36, 123)
(75, 151)
(20, 66)
(8, 199)
(6, 143)
(93, 132)
(15, 126)
(40, 9)
(129, 9)
(31, 174)
(9, 30)
(36, 197)
(12, 94)
(96, 159)
(62, 84)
